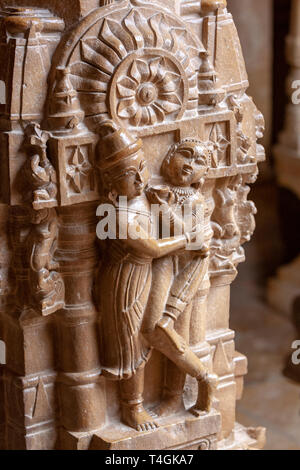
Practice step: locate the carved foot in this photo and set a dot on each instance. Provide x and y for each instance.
(137, 417)
(169, 406)
(166, 332)
(206, 389)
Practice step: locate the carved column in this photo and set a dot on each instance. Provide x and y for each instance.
(285, 288)
(124, 343)
(81, 395)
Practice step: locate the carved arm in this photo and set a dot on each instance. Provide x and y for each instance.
(152, 248)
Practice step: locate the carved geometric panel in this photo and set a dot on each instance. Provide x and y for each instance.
(75, 166)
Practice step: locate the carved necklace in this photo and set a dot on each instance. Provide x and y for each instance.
(182, 194)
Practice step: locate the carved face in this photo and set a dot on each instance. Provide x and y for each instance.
(251, 179)
(259, 125)
(186, 166)
(131, 177)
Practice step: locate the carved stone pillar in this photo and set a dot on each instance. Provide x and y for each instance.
(285, 288)
(81, 395)
(123, 342)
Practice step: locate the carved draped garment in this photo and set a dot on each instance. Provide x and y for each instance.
(123, 288)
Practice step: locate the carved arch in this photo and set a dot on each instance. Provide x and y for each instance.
(138, 66)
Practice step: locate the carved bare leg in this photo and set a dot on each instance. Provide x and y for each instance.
(166, 340)
(172, 398)
(207, 386)
(188, 362)
(133, 411)
(165, 330)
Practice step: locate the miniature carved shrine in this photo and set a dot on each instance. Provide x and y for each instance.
(123, 342)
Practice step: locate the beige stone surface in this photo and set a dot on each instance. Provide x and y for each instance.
(266, 337)
(254, 21)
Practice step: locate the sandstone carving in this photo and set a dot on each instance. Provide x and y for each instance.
(128, 146)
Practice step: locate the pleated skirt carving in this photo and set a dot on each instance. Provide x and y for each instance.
(123, 291)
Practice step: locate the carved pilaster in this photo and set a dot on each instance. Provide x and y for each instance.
(77, 332)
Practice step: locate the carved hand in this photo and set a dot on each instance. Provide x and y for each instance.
(156, 199)
(204, 251)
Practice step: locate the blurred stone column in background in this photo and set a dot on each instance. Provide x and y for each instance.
(285, 288)
(254, 21)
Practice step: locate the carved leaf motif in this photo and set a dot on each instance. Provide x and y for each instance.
(85, 77)
(127, 82)
(159, 113)
(104, 50)
(135, 73)
(155, 25)
(170, 82)
(135, 32)
(150, 93)
(168, 107)
(154, 68)
(95, 59)
(124, 91)
(110, 38)
(122, 34)
(137, 119)
(139, 35)
(152, 115)
(143, 69)
(142, 24)
(127, 108)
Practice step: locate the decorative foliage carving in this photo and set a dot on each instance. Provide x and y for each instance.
(46, 285)
(246, 210)
(39, 174)
(147, 62)
(226, 240)
(150, 92)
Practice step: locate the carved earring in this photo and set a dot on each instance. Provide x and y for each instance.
(113, 196)
(201, 183)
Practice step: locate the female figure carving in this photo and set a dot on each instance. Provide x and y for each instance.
(180, 275)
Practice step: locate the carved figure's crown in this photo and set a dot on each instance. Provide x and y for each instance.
(115, 144)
